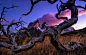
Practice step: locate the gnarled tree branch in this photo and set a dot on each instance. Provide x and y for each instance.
(33, 3)
(1, 19)
(81, 7)
(69, 47)
(53, 32)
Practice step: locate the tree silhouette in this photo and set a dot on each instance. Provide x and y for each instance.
(53, 32)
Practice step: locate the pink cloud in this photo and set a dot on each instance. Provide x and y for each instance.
(82, 12)
(51, 20)
(66, 13)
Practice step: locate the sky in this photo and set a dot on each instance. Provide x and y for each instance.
(43, 11)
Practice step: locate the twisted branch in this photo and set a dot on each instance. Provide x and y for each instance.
(54, 33)
(33, 3)
(69, 47)
(81, 7)
(1, 19)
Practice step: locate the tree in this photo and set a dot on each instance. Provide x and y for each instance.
(53, 32)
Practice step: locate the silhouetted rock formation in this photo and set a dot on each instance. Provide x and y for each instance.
(33, 29)
(44, 25)
(34, 32)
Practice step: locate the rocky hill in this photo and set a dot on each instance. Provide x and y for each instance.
(45, 47)
(35, 30)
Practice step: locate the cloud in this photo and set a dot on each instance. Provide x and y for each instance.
(66, 13)
(82, 12)
(51, 20)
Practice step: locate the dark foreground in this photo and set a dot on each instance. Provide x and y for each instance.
(45, 47)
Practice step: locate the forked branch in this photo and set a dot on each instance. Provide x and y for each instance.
(54, 33)
(35, 2)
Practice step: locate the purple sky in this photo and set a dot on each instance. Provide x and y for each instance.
(42, 10)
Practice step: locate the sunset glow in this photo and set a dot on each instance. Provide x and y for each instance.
(43, 11)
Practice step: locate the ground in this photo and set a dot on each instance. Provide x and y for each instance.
(45, 47)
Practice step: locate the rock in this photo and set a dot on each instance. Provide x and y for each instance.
(35, 32)
(67, 30)
(34, 29)
(44, 25)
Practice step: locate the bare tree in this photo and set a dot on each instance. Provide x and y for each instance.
(7, 33)
(53, 32)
